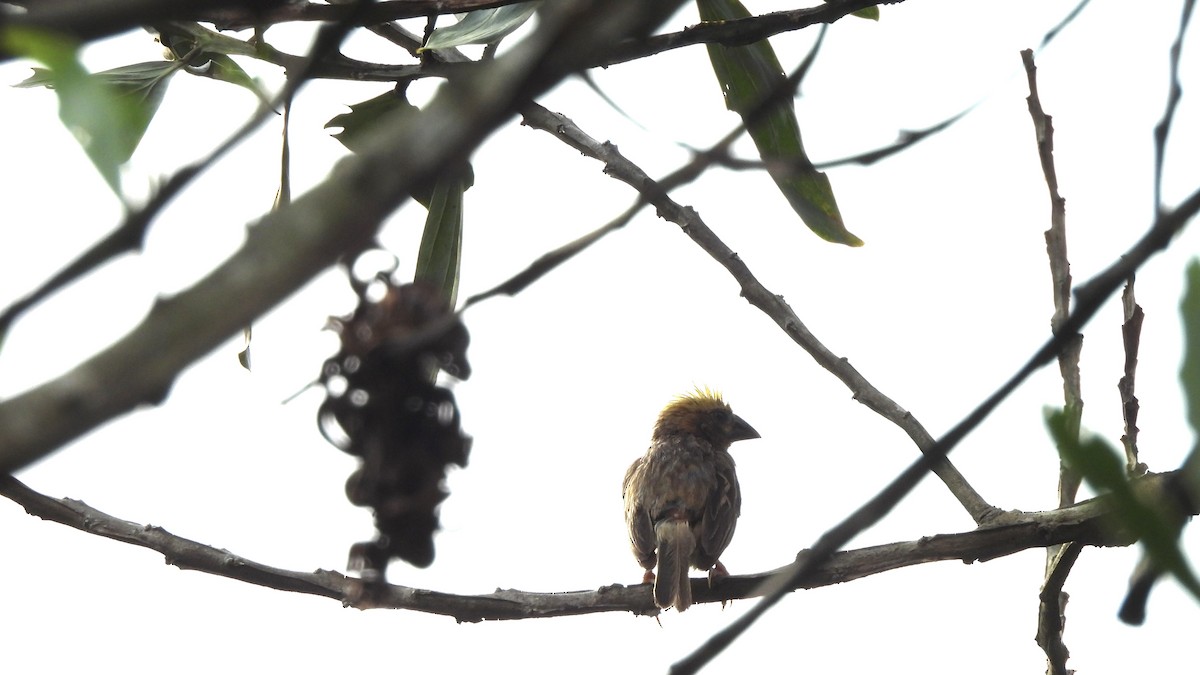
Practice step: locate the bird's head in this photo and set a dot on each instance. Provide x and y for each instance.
(705, 414)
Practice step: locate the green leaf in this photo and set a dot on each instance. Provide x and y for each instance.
(145, 84)
(1104, 470)
(357, 124)
(107, 112)
(749, 75)
(439, 257)
(483, 26)
(225, 69)
(1189, 372)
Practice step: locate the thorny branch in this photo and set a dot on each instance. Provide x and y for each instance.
(1131, 337)
(1052, 601)
(1087, 522)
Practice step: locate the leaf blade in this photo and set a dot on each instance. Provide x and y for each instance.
(482, 26)
(108, 112)
(439, 257)
(749, 75)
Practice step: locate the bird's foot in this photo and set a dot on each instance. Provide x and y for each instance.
(648, 577)
(717, 573)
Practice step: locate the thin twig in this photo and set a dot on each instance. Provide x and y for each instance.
(1163, 128)
(908, 138)
(1052, 606)
(1060, 273)
(1131, 336)
(1067, 20)
(1059, 559)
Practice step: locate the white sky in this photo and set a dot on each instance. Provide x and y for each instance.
(949, 296)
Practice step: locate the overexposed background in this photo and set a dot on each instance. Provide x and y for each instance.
(949, 296)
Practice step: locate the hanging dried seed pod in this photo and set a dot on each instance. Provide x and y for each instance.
(384, 405)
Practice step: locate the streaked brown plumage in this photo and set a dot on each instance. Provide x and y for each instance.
(682, 498)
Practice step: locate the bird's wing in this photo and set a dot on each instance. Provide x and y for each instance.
(720, 512)
(637, 519)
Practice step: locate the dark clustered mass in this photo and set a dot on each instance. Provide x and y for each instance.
(385, 406)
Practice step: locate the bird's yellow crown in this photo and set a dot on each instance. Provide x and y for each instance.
(700, 398)
(684, 412)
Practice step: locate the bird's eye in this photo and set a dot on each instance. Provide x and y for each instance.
(717, 419)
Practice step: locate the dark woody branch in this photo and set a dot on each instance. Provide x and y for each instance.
(94, 20)
(1088, 523)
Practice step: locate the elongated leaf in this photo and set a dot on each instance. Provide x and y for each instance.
(107, 112)
(1104, 469)
(750, 75)
(1189, 372)
(439, 257)
(482, 26)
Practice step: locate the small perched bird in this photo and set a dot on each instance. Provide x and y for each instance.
(682, 498)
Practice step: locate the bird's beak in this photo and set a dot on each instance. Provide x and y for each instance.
(742, 431)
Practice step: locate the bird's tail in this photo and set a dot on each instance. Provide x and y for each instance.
(672, 588)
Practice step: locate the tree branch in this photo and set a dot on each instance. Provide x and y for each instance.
(1131, 338)
(1052, 601)
(102, 19)
(739, 31)
(1087, 523)
(87, 21)
(1052, 606)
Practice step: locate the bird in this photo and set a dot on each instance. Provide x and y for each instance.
(682, 498)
